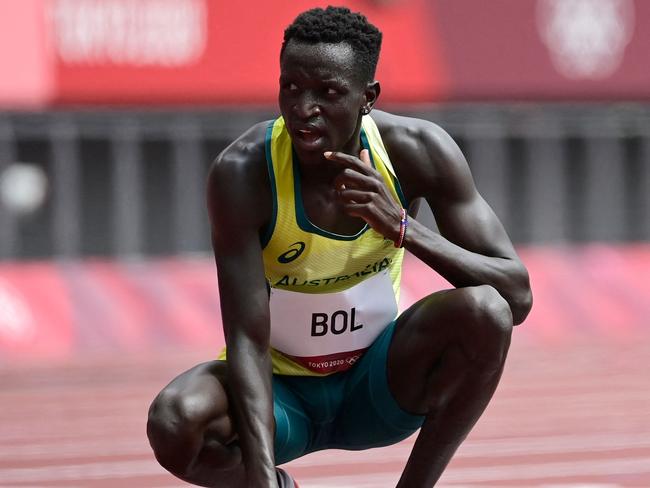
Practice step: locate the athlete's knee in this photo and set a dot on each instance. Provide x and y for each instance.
(179, 417)
(487, 306)
(489, 325)
(169, 428)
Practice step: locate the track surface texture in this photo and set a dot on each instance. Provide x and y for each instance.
(574, 414)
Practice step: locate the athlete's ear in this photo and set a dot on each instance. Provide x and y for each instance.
(371, 95)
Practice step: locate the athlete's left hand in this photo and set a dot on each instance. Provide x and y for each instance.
(362, 192)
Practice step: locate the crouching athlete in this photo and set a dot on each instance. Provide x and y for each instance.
(311, 214)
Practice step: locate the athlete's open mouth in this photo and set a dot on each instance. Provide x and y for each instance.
(308, 135)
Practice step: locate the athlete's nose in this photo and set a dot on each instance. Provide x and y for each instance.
(306, 107)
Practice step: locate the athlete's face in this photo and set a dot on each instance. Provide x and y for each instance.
(322, 94)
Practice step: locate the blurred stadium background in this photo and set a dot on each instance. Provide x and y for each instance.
(110, 114)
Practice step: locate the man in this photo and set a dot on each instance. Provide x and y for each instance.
(310, 215)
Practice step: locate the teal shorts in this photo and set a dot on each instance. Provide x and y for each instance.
(350, 410)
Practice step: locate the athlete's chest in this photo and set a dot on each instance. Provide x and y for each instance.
(326, 211)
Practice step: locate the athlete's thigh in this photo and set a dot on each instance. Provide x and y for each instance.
(369, 415)
(454, 325)
(293, 426)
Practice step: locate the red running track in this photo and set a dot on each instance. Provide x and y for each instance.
(570, 415)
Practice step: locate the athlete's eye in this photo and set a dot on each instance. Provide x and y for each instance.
(332, 91)
(288, 86)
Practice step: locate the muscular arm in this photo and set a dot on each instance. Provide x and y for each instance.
(472, 247)
(238, 195)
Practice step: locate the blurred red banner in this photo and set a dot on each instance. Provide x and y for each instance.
(199, 51)
(65, 52)
(546, 49)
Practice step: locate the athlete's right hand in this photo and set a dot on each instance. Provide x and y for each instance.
(363, 193)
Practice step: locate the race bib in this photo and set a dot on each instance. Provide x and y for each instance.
(328, 332)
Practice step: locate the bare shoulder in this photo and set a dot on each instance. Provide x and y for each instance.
(244, 155)
(425, 156)
(238, 177)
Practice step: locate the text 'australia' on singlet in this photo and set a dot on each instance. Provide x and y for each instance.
(330, 295)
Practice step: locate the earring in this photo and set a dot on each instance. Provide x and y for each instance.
(365, 111)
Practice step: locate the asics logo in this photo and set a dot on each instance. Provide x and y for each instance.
(294, 251)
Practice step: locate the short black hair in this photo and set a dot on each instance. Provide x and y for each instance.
(338, 24)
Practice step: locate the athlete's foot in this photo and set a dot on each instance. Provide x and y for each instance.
(284, 480)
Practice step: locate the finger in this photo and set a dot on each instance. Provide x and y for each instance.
(365, 157)
(341, 157)
(348, 161)
(349, 178)
(355, 196)
(357, 209)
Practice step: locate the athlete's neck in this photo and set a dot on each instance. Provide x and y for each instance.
(322, 170)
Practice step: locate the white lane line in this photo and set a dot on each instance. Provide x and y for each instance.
(554, 444)
(81, 448)
(76, 472)
(127, 469)
(503, 473)
(344, 482)
(522, 472)
(539, 471)
(380, 481)
(484, 448)
(579, 485)
(492, 448)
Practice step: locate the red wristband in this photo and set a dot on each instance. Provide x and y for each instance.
(403, 224)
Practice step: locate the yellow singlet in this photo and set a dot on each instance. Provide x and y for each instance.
(331, 295)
